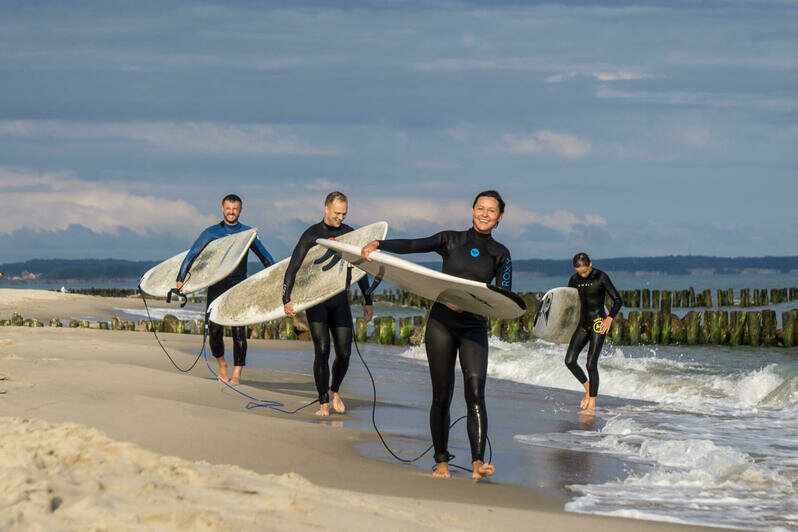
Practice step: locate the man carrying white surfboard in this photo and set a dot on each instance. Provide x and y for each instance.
(332, 316)
(472, 254)
(231, 210)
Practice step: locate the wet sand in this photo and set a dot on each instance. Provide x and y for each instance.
(153, 445)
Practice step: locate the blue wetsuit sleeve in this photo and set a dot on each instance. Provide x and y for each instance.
(617, 302)
(436, 243)
(504, 272)
(259, 249)
(203, 240)
(306, 241)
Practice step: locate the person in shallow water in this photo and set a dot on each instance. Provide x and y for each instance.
(231, 210)
(593, 286)
(471, 254)
(328, 317)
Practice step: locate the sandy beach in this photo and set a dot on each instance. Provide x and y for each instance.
(100, 431)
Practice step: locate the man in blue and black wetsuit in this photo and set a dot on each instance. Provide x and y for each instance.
(231, 209)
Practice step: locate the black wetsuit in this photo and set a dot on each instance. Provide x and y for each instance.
(593, 290)
(331, 316)
(215, 331)
(470, 255)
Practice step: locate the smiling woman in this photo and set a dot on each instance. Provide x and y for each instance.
(472, 254)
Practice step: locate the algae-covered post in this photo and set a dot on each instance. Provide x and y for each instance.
(788, 327)
(755, 328)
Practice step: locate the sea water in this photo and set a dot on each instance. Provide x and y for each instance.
(717, 428)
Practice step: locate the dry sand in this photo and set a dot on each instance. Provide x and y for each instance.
(73, 396)
(47, 304)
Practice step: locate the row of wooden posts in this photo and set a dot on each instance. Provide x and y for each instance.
(663, 300)
(384, 328)
(737, 327)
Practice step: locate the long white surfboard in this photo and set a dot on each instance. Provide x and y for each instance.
(480, 298)
(558, 315)
(321, 275)
(216, 261)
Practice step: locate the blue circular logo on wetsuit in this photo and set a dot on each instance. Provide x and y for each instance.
(474, 252)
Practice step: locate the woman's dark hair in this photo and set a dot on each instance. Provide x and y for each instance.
(233, 198)
(490, 194)
(581, 259)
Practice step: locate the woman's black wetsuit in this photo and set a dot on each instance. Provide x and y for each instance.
(475, 256)
(593, 290)
(331, 316)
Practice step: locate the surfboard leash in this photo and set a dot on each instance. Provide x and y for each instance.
(254, 401)
(374, 401)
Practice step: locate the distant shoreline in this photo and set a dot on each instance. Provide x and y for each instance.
(49, 271)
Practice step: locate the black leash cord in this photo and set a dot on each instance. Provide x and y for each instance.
(152, 326)
(374, 407)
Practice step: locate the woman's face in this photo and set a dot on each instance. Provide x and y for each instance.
(486, 214)
(584, 271)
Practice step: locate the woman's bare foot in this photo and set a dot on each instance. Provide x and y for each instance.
(482, 470)
(225, 380)
(586, 398)
(324, 410)
(222, 370)
(236, 378)
(590, 407)
(338, 404)
(442, 470)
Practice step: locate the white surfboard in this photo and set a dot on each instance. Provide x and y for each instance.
(216, 261)
(558, 315)
(260, 297)
(480, 298)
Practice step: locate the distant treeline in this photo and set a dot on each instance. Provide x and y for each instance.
(670, 265)
(90, 269)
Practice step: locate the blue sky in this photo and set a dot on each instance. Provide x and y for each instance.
(616, 128)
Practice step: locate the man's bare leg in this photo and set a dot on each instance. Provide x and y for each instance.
(324, 410)
(338, 404)
(236, 378)
(222, 369)
(442, 470)
(482, 470)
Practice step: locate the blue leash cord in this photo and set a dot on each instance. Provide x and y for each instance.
(254, 401)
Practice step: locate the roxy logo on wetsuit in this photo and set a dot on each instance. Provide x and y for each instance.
(507, 276)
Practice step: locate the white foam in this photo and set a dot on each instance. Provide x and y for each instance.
(158, 313)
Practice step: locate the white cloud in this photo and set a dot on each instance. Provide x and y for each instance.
(703, 99)
(56, 200)
(468, 40)
(561, 72)
(436, 165)
(620, 75)
(181, 137)
(698, 137)
(323, 184)
(768, 61)
(544, 142)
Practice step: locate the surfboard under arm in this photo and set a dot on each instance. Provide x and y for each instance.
(472, 296)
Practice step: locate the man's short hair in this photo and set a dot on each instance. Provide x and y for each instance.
(333, 196)
(232, 198)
